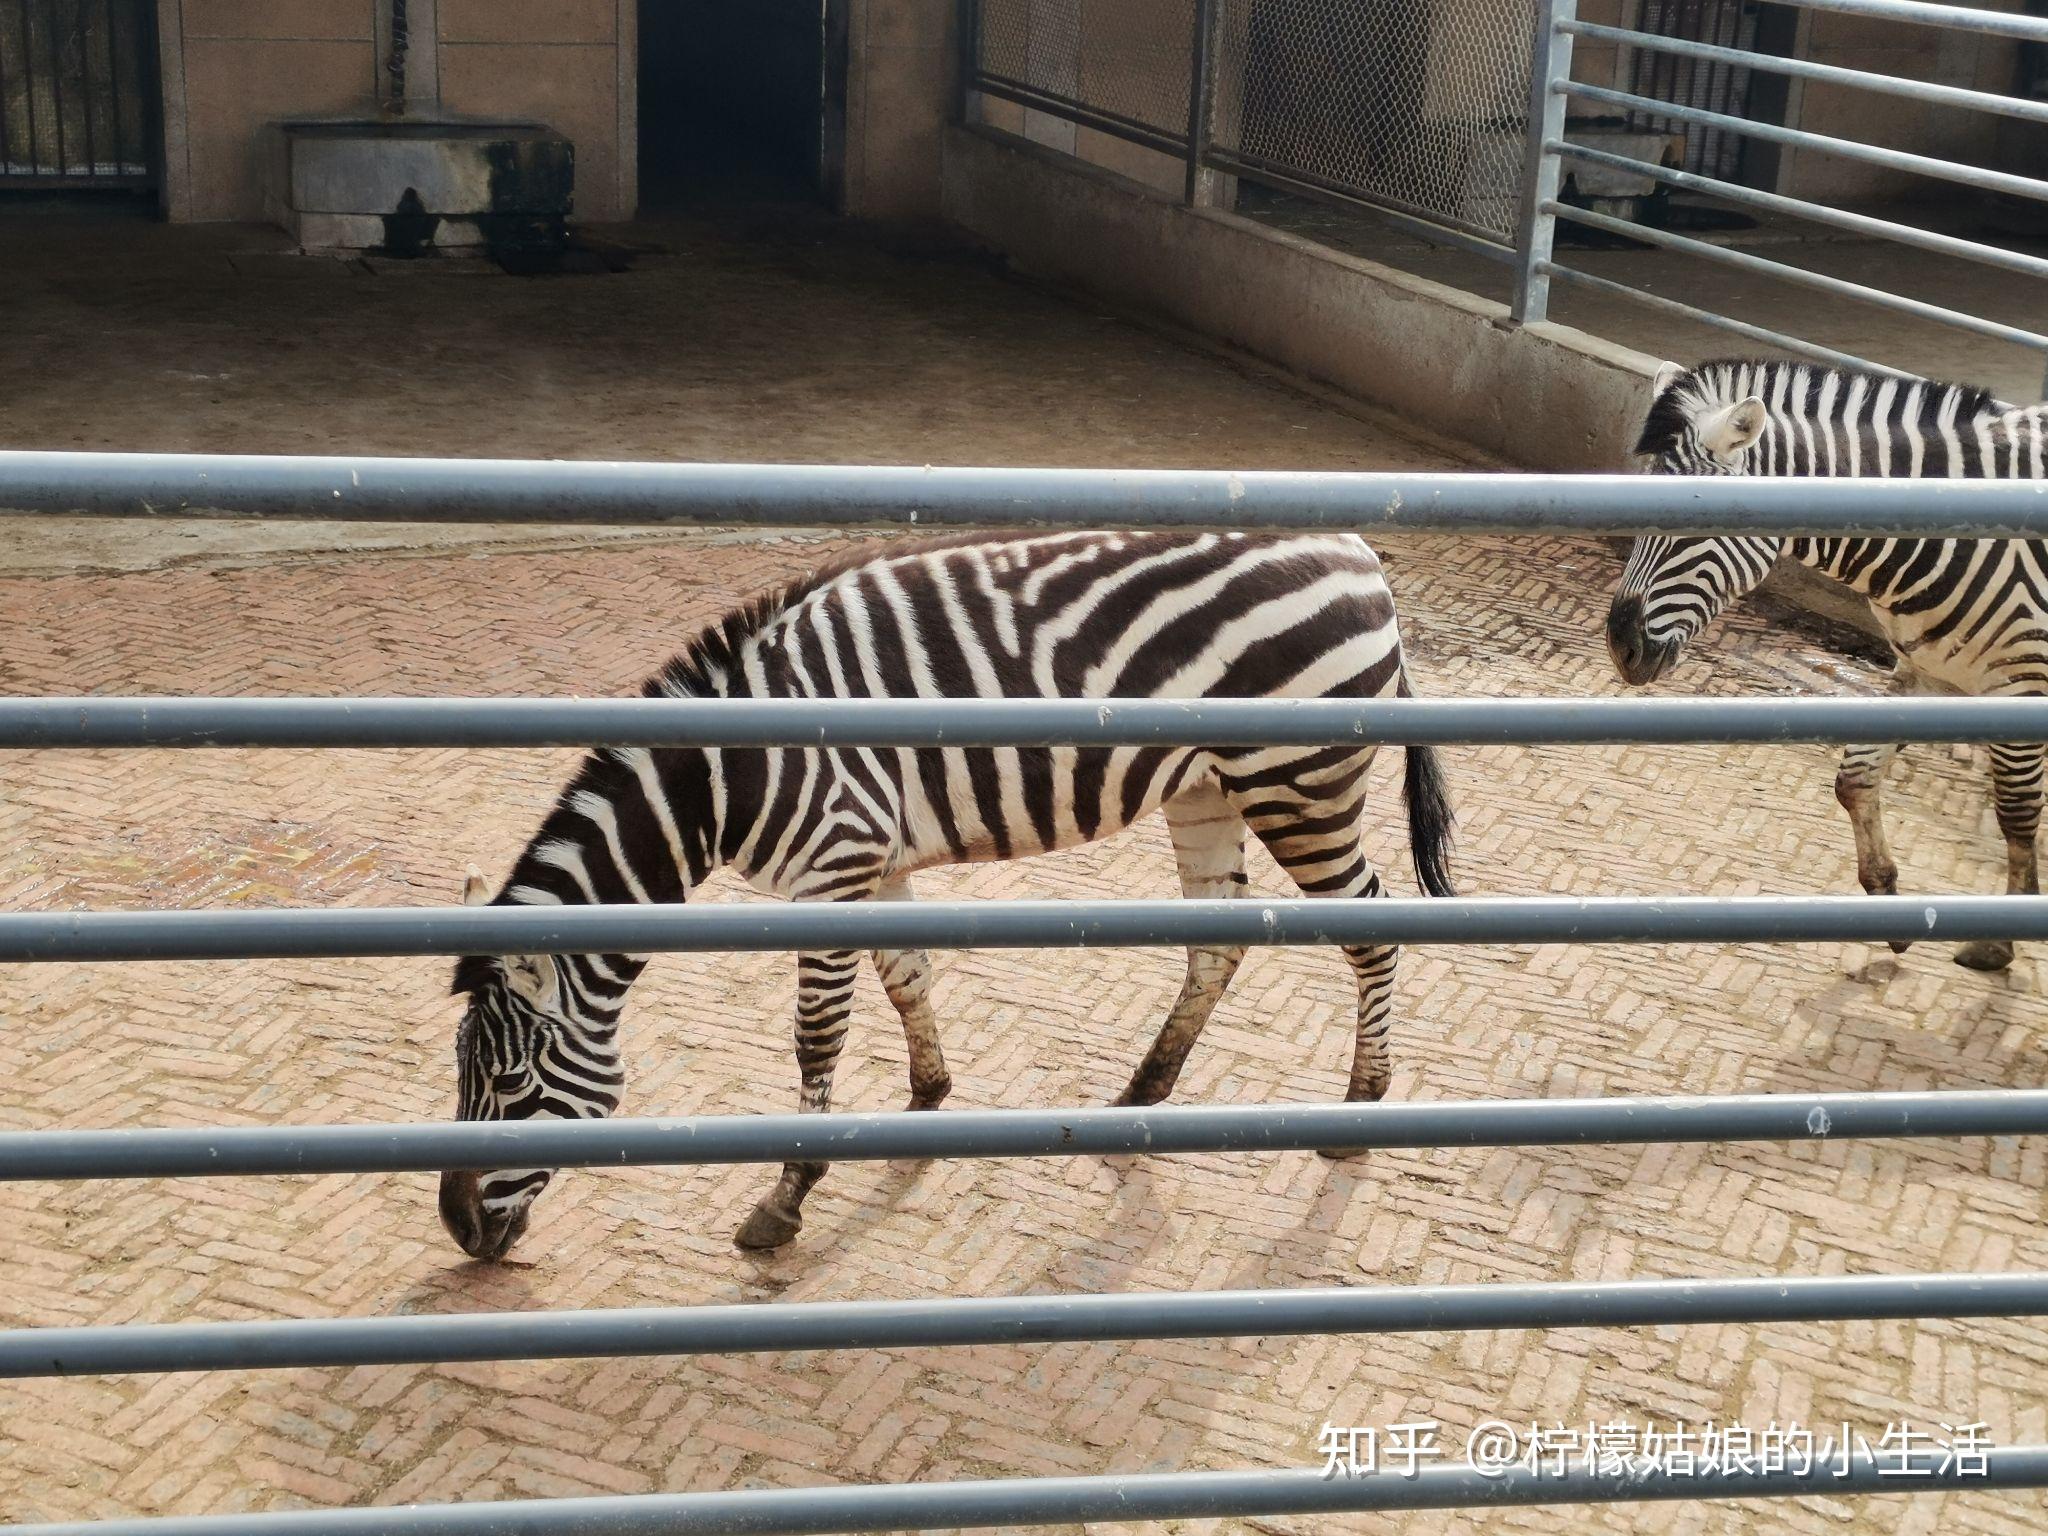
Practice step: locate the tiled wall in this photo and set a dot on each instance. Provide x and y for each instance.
(233, 66)
(898, 96)
(566, 63)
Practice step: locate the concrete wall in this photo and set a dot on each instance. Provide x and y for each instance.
(230, 67)
(1544, 396)
(899, 94)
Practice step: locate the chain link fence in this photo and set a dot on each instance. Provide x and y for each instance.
(1125, 61)
(1417, 106)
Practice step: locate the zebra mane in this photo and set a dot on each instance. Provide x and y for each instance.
(704, 667)
(473, 973)
(1724, 381)
(706, 659)
(706, 662)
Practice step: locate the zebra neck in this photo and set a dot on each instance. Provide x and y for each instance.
(635, 826)
(1885, 571)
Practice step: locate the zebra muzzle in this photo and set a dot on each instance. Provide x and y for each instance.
(478, 1231)
(1637, 657)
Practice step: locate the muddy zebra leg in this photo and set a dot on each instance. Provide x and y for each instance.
(1208, 845)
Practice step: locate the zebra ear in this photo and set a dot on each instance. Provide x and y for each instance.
(476, 891)
(1668, 374)
(532, 977)
(1733, 428)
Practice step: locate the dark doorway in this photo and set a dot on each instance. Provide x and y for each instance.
(78, 98)
(740, 100)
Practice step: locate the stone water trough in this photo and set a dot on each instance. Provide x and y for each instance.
(422, 187)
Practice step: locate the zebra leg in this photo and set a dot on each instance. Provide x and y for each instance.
(824, 1002)
(1208, 845)
(907, 978)
(1319, 848)
(2016, 790)
(1858, 784)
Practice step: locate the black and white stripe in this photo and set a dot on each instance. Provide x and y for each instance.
(1090, 615)
(1964, 615)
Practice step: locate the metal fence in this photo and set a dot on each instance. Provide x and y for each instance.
(78, 93)
(1554, 158)
(143, 485)
(1421, 110)
(1716, 84)
(1414, 107)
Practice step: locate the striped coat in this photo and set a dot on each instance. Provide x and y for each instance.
(1963, 615)
(1073, 615)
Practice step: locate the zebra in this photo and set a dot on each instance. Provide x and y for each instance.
(1087, 614)
(1964, 616)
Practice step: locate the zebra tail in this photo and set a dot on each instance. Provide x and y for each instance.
(1430, 818)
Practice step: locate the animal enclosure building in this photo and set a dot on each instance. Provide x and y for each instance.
(1881, 152)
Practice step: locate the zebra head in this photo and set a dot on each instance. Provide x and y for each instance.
(1673, 587)
(523, 1049)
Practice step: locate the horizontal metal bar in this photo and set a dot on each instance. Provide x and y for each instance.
(1799, 138)
(236, 1151)
(1743, 328)
(1069, 1500)
(1792, 207)
(1115, 124)
(1440, 229)
(1957, 96)
(94, 722)
(1801, 277)
(302, 1343)
(871, 496)
(723, 927)
(56, 181)
(1950, 18)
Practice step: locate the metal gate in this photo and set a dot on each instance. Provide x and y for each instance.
(1713, 85)
(78, 97)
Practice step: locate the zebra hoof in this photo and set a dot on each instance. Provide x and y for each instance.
(932, 1097)
(1370, 1093)
(1985, 955)
(768, 1227)
(1900, 946)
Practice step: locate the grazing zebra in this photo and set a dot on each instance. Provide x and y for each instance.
(1092, 615)
(1964, 615)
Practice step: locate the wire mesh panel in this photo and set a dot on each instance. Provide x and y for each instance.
(1123, 59)
(1418, 104)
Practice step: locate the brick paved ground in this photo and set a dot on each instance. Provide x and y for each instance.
(369, 1039)
(812, 345)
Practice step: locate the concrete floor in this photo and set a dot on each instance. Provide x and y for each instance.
(773, 337)
(2013, 372)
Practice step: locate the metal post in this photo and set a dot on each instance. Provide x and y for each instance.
(1550, 64)
(967, 25)
(1201, 104)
